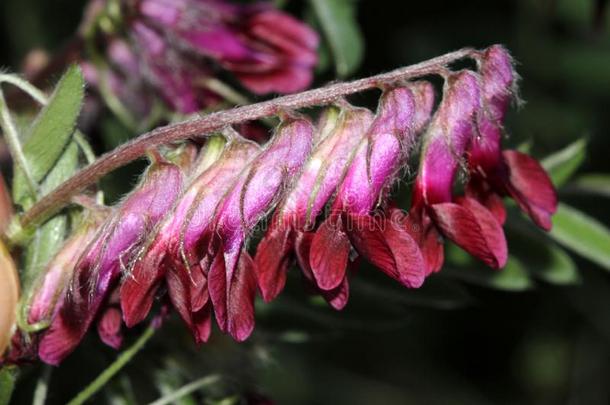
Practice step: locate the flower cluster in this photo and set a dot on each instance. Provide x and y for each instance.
(178, 44)
(180, 239)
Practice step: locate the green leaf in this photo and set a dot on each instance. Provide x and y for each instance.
(582, 234)
(563, 164)
(8, 375)
(513, 277)
(553, 265)
(340, 27)
(593, 183)
(51, 131)
(49, 237)
(542, 258)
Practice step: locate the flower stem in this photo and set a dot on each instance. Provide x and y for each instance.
(187, 389)
(113, 369)
(12, 140)
(198, 127)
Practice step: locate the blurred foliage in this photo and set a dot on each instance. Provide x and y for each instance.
(536, 332)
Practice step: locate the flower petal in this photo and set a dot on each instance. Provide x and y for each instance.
(273, 257)
(240, 303)
(387, 245)
(472, 227)
(329, 253)
(531, 188)
(109, 327)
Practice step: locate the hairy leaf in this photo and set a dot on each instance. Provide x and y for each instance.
(50, 132)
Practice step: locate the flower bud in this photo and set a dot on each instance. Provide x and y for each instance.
(232, 284)
(50, 289)
(107, 255)
(465, 221)
(174, 251)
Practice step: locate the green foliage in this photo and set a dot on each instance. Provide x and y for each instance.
(582, 234)
(337, 19)
(562, 165)
(8, 375)
(47, 137)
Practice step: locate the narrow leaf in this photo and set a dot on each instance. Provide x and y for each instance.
(564, 163)
(8, 375)
(51, 131)
(49, 237)
(513, 277)
(593, 183)
(582, 234)
(338, 21)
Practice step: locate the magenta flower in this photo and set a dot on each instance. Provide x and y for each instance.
(174, 253)
(493, 172)
(50, 289)
(434, 210)
(99, 268)
(232, 281)
(401, 115)
(287, 237)
(266, 49)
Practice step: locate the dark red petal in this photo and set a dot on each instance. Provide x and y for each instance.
(199, 285)
(58, 341)
(109, 327)
(531, 187)
(481, 192)
(337, 297)
(202, 322)
(138, 289)
(472, 227)
(387, 245)
(178, 289)
(217, 286)
(424, 232)
(329, 253)
(302, 247)
(240, 305)
(273, 257)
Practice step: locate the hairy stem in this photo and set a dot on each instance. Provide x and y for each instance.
(86, 394)
(198, 127)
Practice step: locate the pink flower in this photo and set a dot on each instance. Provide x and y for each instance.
(287, 238)
(173, 255)
(267, 50)
(99, 268)
(493, 172)
(434, 210)
(401, 115)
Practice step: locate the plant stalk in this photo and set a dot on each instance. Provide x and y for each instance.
(199, 127)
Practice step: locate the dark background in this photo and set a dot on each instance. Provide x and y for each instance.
(472, 345)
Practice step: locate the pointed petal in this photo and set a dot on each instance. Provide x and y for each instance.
(472, 227)
(531, 187)
(217, 286)
(480, 191)
(329, 253)
(58, 341)
(338, 297)
(109, 328)
(138, 288)
(424, 232)
(199, 285)
(240, 303)
(202, 321)
(179, 293)
(302, 247)
(273, 257)
(387, 245)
